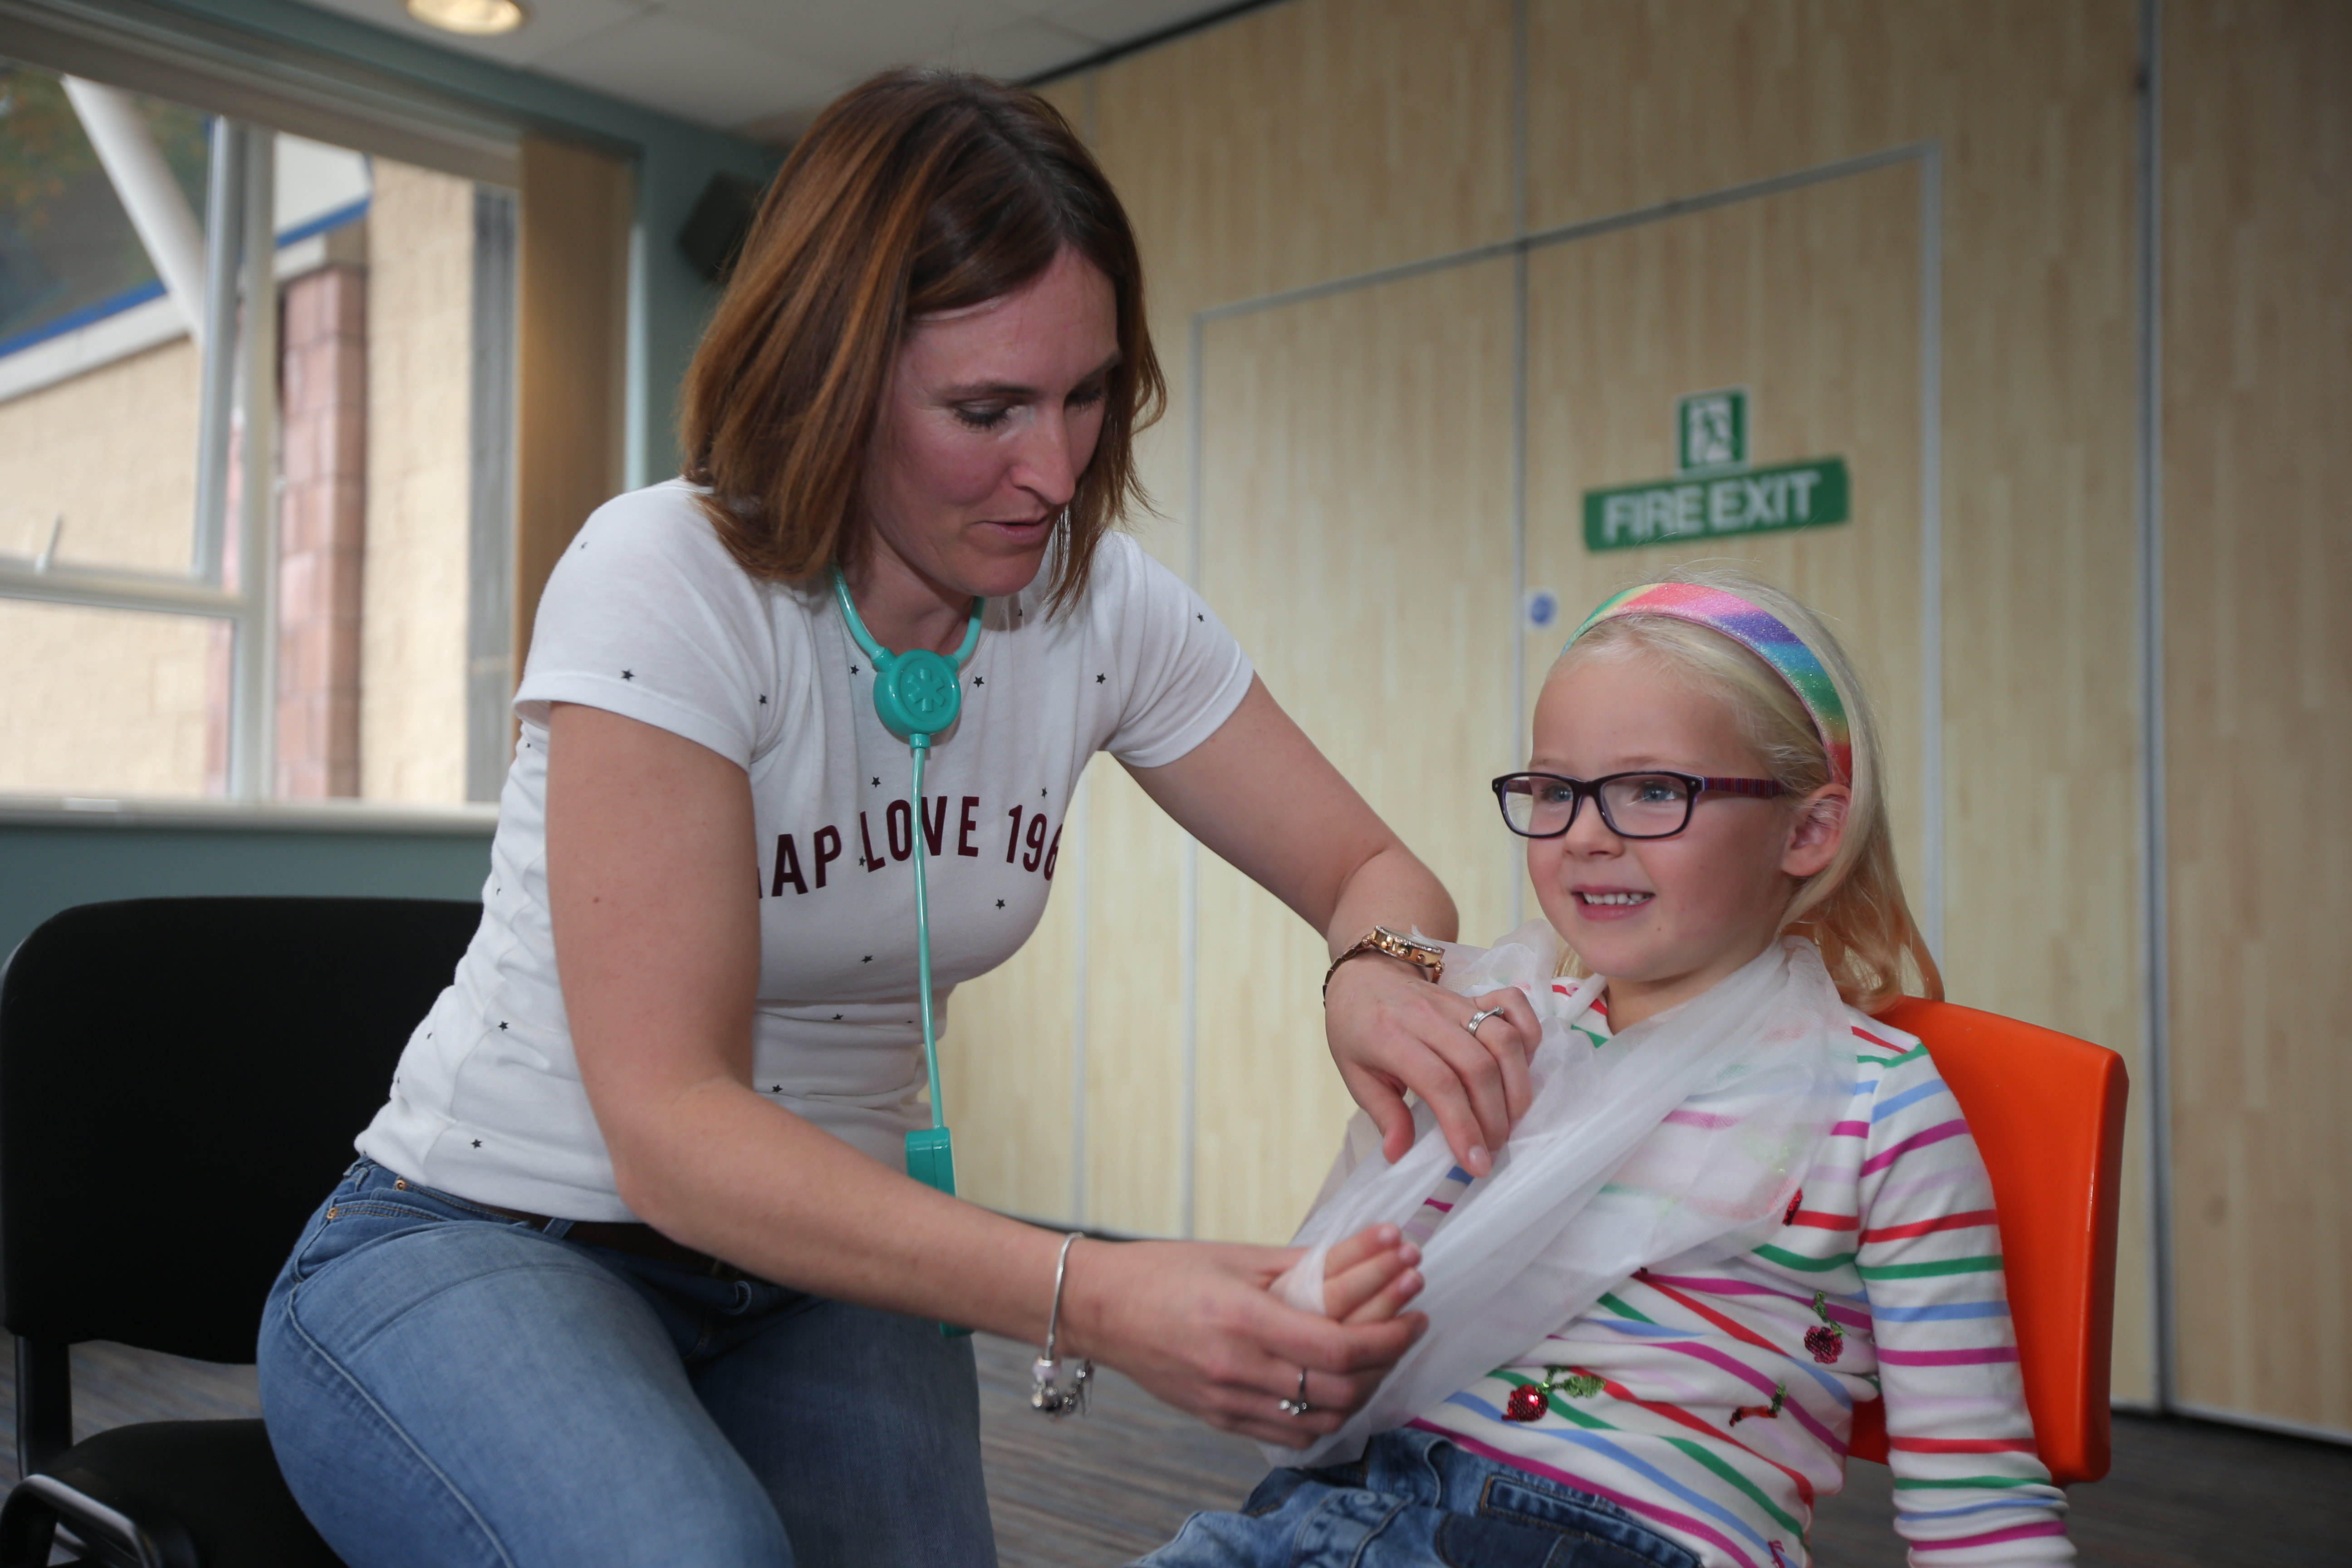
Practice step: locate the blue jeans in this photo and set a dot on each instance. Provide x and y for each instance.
(1415, 1498)
(445, 1385)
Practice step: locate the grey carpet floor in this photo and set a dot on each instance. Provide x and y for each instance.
(1104, 1487)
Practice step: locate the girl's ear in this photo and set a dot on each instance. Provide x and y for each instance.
(1815, 831)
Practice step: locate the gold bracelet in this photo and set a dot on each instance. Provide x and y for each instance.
(1426, 956)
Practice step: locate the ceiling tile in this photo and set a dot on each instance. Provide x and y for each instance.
(1110, 22)
(670, 63)
(1017, 50)
(553, 23)
(766, 66)
(861, 38)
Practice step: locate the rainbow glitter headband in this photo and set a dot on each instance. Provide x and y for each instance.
(1759, 631)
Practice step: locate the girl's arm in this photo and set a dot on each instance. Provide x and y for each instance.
(1968, 1489)
(1259, 794)
(656, 939)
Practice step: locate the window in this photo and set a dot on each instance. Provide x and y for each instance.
(220, 344)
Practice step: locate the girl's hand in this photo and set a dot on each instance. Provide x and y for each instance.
(1368, 1277)
(1194, 1324)
(1390, 1031)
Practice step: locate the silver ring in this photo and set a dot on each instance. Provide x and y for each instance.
(1475, 1019)
(1296, 1404)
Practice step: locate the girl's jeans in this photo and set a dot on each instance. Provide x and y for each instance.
(1414, 1500)
(445, 1385)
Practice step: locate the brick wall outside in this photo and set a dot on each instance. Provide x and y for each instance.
(322, 528)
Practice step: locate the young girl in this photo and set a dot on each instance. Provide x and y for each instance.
(1736, 1206)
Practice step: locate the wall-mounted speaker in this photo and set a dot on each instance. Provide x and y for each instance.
(714, 231)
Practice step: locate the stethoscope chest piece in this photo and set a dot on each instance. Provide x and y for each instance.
(919, 692)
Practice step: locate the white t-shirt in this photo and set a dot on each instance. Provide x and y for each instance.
(647, 615)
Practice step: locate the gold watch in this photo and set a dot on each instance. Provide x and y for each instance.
(1379, 939)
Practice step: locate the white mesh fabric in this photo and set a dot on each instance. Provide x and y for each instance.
(1683, 1137)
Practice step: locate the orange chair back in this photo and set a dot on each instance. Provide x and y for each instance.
(2047, 1112)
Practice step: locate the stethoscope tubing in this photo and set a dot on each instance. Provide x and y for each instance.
(919, 742)
(922, 745)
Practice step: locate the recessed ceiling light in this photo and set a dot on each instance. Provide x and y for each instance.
(476, 18)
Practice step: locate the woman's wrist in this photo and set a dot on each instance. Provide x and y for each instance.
(1085, 1300)
(1014, 1270)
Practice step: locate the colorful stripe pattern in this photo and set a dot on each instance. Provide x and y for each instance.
(1759, 631)
(1727, 1394)
(1437, 1206)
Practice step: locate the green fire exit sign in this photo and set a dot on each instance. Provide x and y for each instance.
(1786, 495)
(1715, 491)
(1711, 429)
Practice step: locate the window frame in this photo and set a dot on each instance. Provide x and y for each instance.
(239, 332)
(335, 78)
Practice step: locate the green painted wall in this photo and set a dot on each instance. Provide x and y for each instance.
(46, 867)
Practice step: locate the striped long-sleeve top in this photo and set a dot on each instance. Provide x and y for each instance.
(1715, 1405)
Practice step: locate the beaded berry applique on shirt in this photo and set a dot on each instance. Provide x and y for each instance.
(1825, 1339)
(1530, 1400)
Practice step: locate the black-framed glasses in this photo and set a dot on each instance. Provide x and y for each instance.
(1653, 804)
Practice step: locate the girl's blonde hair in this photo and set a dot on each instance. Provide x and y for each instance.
(1853, 908)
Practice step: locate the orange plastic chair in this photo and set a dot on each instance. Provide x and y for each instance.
(2047, 1112)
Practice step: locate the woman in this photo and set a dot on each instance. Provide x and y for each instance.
(509, 1336)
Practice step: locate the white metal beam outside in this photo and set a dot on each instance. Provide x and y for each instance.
(149, 194)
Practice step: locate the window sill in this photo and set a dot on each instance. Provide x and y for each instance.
(248, 816)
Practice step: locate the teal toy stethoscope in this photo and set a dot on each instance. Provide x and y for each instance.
(917, 694)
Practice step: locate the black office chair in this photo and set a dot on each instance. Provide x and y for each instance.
(180, 1083)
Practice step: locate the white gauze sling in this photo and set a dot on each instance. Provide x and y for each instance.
(1683, 1137)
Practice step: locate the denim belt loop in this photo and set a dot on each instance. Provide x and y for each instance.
(556, 1229)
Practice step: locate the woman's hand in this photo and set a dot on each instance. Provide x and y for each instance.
(1389, 1031)
(1194, 1324)
(1258, 792)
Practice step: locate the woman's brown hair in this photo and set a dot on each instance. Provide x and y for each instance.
(921, 191)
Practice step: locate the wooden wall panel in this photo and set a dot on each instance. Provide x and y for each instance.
(1134, 1002)
(1357, 538)
(2257, 333)
(2043, 724)
(1634, 102)
(1811, 299)
(1297, 144)
(1075, 97)
(571, 266)
(2031, 107)
(1313, 140)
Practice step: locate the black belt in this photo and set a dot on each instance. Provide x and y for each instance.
(634, 1237)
